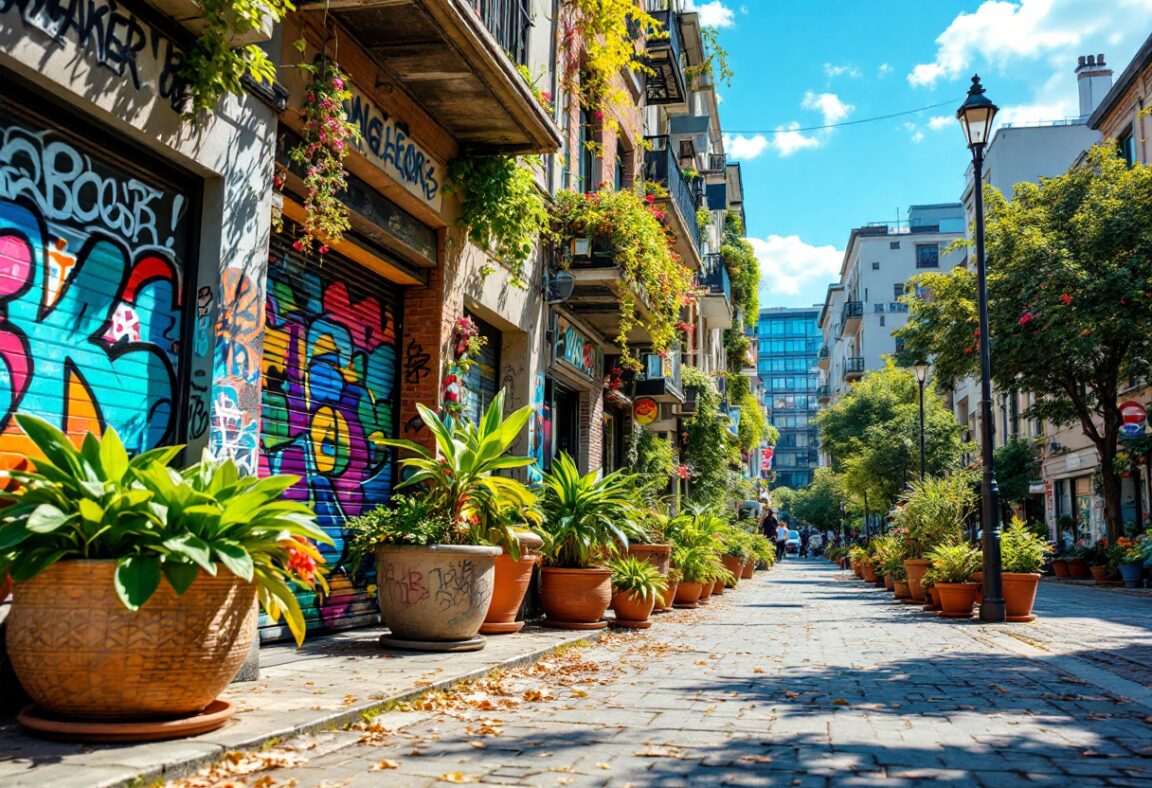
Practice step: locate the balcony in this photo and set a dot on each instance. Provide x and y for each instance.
(716, 298)
(823, 394)
(661, 165)
(853, 368)
(665, 85)
(850, 316)
(717, 162)
(598, 283)
(661, 377)
(824, 357)
(457, 60)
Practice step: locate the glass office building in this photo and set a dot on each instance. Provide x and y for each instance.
(788, 348)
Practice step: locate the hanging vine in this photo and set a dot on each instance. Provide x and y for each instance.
(326, 137)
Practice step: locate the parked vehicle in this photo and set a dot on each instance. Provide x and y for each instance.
(793, 545)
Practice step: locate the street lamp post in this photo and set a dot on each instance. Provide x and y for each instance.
(921, 370)
(975, 116)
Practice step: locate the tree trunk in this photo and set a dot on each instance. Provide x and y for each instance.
(1107, 449)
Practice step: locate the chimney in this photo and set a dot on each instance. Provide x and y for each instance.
(1094, 79)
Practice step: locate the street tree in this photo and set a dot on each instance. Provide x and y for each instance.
(1070, 302)
(821, 504)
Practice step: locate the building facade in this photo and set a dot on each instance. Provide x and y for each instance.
(788, 348)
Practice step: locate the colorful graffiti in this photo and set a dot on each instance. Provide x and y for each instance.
(575, 348)
(90, 284)
(236, 370)
(330, 372)
(538, 428)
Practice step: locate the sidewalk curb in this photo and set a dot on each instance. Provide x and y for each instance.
(185, 766)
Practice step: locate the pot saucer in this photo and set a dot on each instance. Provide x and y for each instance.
(50, 726)
(942, 614)
(1019, 619)
(501, 628)
(443, 646)
(579, 626)
(625, 624)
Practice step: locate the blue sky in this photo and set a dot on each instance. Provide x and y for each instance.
(810, 62)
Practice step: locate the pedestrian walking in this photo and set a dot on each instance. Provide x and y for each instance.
(805, 540)
(781, 541)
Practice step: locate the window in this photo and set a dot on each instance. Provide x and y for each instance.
(898, 290)
(893, 244)
(927, 255)
(881, 321)
(1127, 144)
(899, 344)
(876, 265)
(619, 171)
(587, 155)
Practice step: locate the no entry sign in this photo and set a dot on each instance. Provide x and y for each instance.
(1133, 418)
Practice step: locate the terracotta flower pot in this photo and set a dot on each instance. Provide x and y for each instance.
(1078, 569)
(630, 606)
(659, 555)
(687, 595)
(858, 568)
(706, 592)
(79, 652)
(978, 579)
(664, 601)
(435, 593)
(749, 569)
(1019, 595)
(889, 582)
(916, 567)
(1060, 567)
(510, 583)
(869, 573)
(934, 593)
(900, 587)
(736, 567)
(1100, 574)
(957, 599)
(575, 598)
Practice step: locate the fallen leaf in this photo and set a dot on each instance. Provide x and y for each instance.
(756, 759)
(757, 670)
(457, 777)
(840, 702)
(416, 753)
(579, 694)
(384, 763)
(477, 745)
(792, 694)
(604, 766)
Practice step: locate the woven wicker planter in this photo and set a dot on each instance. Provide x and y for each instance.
(79, 652)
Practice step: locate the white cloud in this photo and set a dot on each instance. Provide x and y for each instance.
(847, 70)
(1001, 32)
(741, 147)
(713, 13)
(788, 264)
(938, 122)
(915, 131)
(788, 140)
(829, 104)
(884, 70)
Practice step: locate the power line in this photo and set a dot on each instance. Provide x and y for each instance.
(847, 122)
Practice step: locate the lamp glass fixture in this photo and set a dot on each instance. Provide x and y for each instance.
(921, 370)
(976, 114)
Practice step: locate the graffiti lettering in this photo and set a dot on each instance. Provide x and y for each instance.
(577, 349)
(537, 431)
(414, 424)
(91, 323)
(114, 37)
(404, 586)
(66, 186)
(415, 363)
(388, 141)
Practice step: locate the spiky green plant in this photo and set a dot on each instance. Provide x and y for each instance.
(587, 518)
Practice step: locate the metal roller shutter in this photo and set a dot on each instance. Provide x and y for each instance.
(481, 381)
(93, 248)
(329, 397)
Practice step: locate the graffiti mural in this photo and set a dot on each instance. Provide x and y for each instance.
(330, 374)
(90, 281)
(236, 371)
(538, 427)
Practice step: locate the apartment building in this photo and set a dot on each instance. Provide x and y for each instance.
(788, 347)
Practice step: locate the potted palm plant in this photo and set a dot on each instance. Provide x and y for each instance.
(933, 513)
(668, 595)
(135, 583)
(588, 521)
(637, 585)
(435, 591)
(737, 549)
(953, 566)
(1023, 554)
(693, 564)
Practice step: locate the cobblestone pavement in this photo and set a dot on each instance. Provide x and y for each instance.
(798, 677)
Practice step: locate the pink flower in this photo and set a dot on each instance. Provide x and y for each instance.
(598, 115)
(546, 95)
(338, 83)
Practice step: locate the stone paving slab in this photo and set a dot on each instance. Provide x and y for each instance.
(327, 684)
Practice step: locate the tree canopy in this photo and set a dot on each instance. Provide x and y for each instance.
(820, 504)
(1069, 299)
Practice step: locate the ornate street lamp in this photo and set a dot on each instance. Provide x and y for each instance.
(921, 370)
(976, 115)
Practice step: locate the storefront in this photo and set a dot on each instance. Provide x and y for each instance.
(574, 391)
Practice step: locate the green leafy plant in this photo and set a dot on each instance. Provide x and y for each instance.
(642, 248)
(326, 137)
(633, 575)
(405, 521)
(586, 518)
(934, 510)
(954, 563)
(460, 483)
(703, 219)
(1021, 550)
(502, 208)
(212, 67)
(542, 96)
(698, 564)
(157, 522)
(715, 63)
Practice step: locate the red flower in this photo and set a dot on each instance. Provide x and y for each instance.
(1026, 318)
(451, 396)
(598, 115)
(298, 245)
(323, 249)
(651, 198)
(1066, 299)
(301, 564)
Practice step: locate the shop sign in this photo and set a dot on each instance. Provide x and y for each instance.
(385, 141)
(766, 458)
(1133, 419)
(645, 411)
(576, 349)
